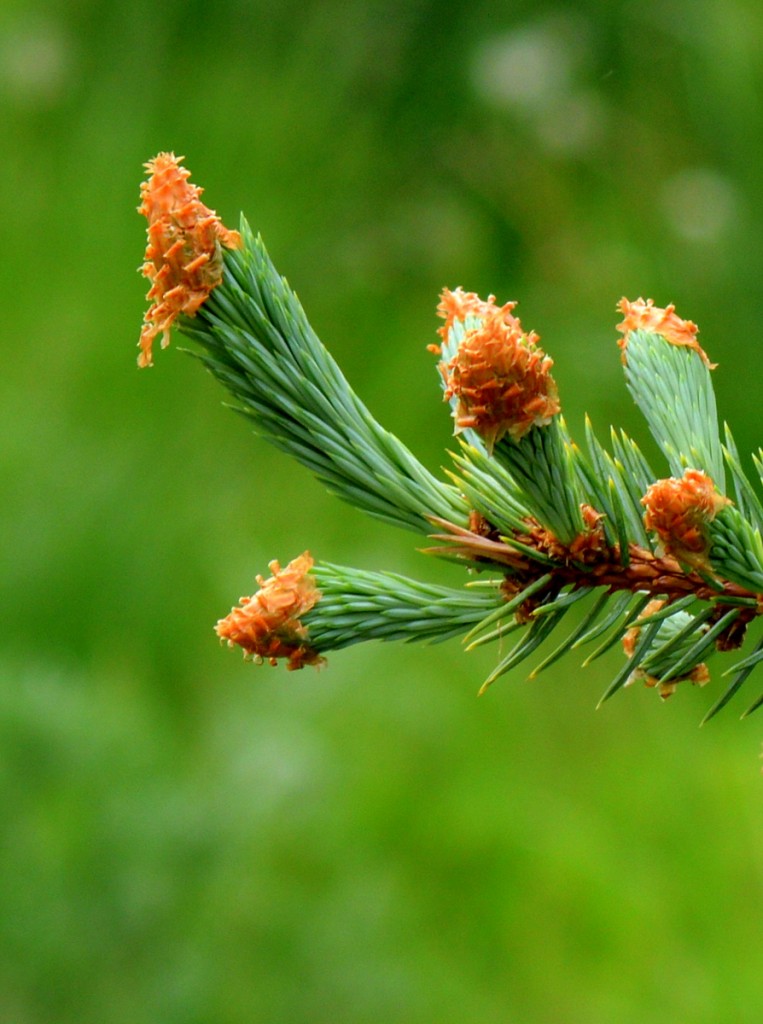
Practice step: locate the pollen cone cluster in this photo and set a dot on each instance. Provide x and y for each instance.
(267, 625)
(643, 315)
(183, 257)
(499, 375)
(679, 512)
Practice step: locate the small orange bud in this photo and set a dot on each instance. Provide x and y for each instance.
(183, 257)
(679, 512)
(645, 316)
(500, 375)
(268, 625)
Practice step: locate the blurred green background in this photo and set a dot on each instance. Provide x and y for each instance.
(188, 838)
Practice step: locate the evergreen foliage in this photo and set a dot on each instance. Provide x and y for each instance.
(670, 567)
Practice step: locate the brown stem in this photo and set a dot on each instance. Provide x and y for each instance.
(658, 575)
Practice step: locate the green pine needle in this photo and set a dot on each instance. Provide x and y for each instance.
(539, 468)
(747, 500)
(506, 609)
(742, 670)
(633, 608)
(753, 707)
(539, 630)
(672, 387)
(257, 341)
(701, 648)
(630, 666)
(357, 605)
(615, 607)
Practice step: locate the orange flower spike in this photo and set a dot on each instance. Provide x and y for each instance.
(267, 625)
(645, 316)
(500, 376)
(183, 257)
(679, 512)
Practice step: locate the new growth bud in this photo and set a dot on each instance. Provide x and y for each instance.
(680, 512)
(645, 316)
(267, 625)
(500, 376)
(183, 257)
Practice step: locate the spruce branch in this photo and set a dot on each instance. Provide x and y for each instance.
(311, 610)
(255, 339)
(670, 567)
